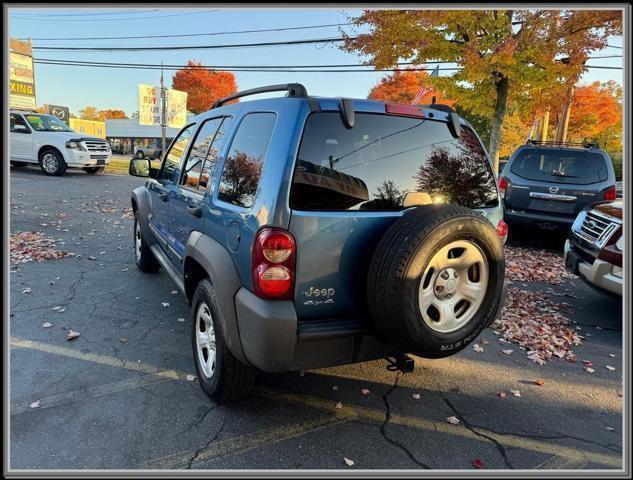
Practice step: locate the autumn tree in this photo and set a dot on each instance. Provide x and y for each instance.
(595, 108)
(203, 86)
(112, 114)
(403, 86)
(89, 113)
(505, 57)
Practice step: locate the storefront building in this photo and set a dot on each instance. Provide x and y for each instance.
(124, 135)
(89, 127)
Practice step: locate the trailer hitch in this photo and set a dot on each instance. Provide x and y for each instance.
(401, 362)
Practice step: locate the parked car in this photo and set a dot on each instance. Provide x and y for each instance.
(49, 142)
(308, 232)
(153, 150)
(548, 183)
(594, 248)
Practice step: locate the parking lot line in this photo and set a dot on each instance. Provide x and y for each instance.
(347, 413)
(243, 443)
(88, 393)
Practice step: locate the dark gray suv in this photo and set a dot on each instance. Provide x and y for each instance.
(548, 183)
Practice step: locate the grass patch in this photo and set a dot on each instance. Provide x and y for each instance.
(118, 165)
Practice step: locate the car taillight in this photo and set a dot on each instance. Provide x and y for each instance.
(502, 229)
(610, 193)
(273, 264)
(503, 186)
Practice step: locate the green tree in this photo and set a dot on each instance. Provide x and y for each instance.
(505, 57)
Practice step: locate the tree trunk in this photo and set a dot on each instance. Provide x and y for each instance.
(497, 120)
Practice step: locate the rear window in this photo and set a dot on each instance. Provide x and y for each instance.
(562, 166)
(388, 163)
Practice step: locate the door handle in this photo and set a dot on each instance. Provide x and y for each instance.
(163, 196)
(195, 211)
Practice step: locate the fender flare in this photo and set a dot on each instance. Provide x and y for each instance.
(141, 205)
(219, 266)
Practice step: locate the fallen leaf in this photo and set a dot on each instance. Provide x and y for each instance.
(484, 341)
(165, 304)
(181, 319)
(508, 351)
(57, 308)
(587, 363)
(26, 290)
(539, 382)
(477, 348)
(35, 404)
(124, 269)
(123, 339)
(589, 395)
(335, 388)
(364, 391)
(515, 393)
(47, 325)
(589, 370)
(454, 420)
(339, 405)
(72, 335)
(174, 292)
(609, 367)
(611, 429)
(416, 396)
(478, 463)
(190, 377)
(348, 461)
(501, 394)
(612, 355)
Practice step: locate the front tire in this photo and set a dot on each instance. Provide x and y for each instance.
(94, 170)
(52, 163)
(222, 376)
(145, 259)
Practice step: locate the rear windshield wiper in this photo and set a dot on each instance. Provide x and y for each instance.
(559, 174)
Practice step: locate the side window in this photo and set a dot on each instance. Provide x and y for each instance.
(214, 153)
(195, 160)
(243, 165)
(18, 120)
(170, 169)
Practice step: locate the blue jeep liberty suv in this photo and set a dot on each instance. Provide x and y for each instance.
(309, 232)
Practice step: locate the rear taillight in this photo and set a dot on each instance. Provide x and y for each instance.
(502, 229)
(503, 186)
(273, 264)
(610, 193)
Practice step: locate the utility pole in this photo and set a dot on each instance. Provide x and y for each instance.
(163, 110)
(544, 126)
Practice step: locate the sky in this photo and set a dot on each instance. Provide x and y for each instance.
(104, 88)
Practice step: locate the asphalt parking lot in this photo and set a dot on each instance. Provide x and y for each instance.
(119, 395)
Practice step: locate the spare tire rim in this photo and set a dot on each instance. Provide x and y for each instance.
(205, 340)
(453, 286)
(49, 162)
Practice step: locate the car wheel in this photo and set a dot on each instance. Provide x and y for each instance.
(140, 154)
(222, 376)
(52, 163)
(18, 164)
(144, 257)
(436, 280)
(94, 170)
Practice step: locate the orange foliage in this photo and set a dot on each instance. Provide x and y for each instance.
(595, 108)
(203, 86)
(404, 85)
(114, 114)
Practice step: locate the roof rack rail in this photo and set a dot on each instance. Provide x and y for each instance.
(556, 143)
(293, 89)
(439, 106)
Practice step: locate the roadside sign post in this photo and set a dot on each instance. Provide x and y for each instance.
(163, 116)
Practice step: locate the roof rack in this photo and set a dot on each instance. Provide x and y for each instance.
(293, 89)
(556, 143)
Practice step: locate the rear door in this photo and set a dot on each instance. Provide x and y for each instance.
(350, 185)
(186, 209)
(164, 189)
(555, 181)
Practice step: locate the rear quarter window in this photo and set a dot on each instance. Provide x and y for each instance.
(560, 166)
(388, 162)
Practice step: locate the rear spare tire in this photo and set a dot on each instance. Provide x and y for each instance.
(436, 280)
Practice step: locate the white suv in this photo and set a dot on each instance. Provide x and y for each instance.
(49, 142)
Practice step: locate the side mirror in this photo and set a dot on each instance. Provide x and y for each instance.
(140, 167)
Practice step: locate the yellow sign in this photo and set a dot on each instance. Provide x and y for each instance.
(176, 108)
(21, 76)
(149, 112)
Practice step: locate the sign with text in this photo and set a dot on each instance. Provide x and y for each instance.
(21, 75)
(149, 112)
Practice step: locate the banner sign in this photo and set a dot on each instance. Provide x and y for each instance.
(60, 112)
(21, 75)
(150, 105)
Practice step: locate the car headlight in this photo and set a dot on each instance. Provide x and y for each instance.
(75, 145)
(620, 243)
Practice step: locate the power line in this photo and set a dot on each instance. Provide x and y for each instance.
(197, 47)
(46, 19)
(615, 46)
(281, 29)
(81, 14)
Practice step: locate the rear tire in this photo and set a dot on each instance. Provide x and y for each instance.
(222, 376)
(18, 164)
(52, 163)
(94, 170)
(144, 257)
(436, 280)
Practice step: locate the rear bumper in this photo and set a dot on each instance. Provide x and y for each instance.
(273, 340)
(599, 274)
(522, 217)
